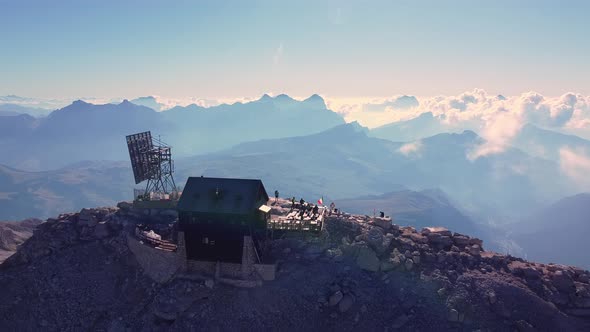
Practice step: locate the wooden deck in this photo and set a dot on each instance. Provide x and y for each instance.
(294, 222)
(155, 243)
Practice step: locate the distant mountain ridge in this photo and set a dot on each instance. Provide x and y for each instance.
(42, 194)
(399, 103)
(565, 225)
(340, 162)
(424, 125)
(337, 164)
(15, 109)
(13, 234)
(546, 143)
(150, 102)
(33, 106)
(426, 208)
(82, 131)
(347, 162)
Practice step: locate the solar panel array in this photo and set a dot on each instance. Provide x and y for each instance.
(138, 144)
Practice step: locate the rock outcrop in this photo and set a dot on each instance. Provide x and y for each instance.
(13, 234)
(77, 272)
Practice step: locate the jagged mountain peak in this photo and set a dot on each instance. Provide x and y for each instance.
(316, 101)
(352, 129)
(315, 96)
(149, 101)
(405, 102)
(79, 102)
(467, 136)
(152, 98)
(283, 96)
(265, 97)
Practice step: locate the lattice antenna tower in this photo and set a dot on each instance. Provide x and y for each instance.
(151, 160)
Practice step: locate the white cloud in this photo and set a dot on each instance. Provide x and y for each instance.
(337, 17)
(412, 148)
(497, 119)
(498, 129)
(576, 165)
(168, 103)
(278, 55)
(50, 104)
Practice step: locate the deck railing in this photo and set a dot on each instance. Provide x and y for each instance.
(158, 244)
(293, 221)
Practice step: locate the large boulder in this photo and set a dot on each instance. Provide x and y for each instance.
(396, 259)
(87, 218)
(440, 240)
(384, 223)
(346, 303)
(563, 282)
(389, 265)
(453, 315)
(405, 243)
(335, 298)
(475, 250)
(101, 230)
(170, 213)
(475, 240)
(461, 240)
(125, 206)
(418, 238)
(436, 230)
(409, 264)
(367, 259)
(400, 321)
(375, 239)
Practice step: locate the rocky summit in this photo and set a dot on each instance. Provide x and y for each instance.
(78, 272)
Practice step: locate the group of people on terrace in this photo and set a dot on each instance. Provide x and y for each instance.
(305, 209)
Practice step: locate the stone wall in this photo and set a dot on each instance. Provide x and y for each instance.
(248, 270)
(159, 265)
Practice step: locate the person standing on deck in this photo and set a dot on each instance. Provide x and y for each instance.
(276, 196)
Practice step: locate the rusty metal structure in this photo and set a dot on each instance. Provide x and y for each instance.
(151, 161)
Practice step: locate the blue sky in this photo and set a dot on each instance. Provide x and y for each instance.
(56, 49)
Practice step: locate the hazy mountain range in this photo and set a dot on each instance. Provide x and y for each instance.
(300, 148)
(13, 109)
(83, 131)
(536, 141)
(283, 140)
(424, 125)
(345, 162)
(415, 208)
(48, 193)
(427, 208)
(557, 233)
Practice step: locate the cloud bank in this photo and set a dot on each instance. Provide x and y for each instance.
(496, 118)
(412, 148)
(575, 163)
